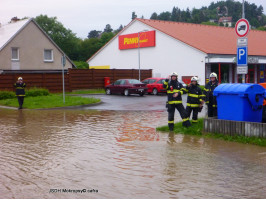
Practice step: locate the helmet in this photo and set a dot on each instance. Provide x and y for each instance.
(174, 74)
(194, 78)
(213, 75)
(20, 78)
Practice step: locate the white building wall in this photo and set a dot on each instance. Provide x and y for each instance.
(169, 55)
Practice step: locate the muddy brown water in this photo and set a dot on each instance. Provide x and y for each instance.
(53, 154)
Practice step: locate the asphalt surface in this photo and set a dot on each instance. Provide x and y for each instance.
(133, 102)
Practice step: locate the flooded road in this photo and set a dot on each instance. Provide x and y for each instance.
(118, 154)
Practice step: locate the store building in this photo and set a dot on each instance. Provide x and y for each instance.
(188, 49)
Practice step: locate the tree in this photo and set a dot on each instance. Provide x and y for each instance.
(108, 29)
(174, 15)
(262, 28)
(62, 36)
(133, 15)
(166, 16)
(119, 29)
(154, 16)
(209, 23)
(94, 34)
(105, 37)
(89, 47)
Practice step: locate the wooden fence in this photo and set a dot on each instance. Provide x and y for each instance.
(249, 129)
(74, 78)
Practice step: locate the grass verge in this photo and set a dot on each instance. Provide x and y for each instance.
(197, 129)
(89, 91)
(50, 101)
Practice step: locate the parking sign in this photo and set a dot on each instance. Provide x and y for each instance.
(242, 56)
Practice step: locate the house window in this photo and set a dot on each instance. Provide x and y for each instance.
(15, 54)
(48, 55)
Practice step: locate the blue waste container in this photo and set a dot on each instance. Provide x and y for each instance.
(240, 102)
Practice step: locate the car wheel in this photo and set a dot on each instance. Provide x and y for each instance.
(108, 91)
(126, 93)
(154, 91)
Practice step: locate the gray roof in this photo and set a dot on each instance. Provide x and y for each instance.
(8, 31)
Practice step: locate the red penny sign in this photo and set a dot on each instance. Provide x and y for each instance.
(242, 27)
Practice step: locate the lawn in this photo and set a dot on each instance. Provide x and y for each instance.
(50, 101)
(197, 129)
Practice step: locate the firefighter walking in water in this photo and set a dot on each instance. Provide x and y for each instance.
(208, 95)
(194, 99)
(20, 91)
(174, 92)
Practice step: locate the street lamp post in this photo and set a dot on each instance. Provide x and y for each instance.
(139, 49)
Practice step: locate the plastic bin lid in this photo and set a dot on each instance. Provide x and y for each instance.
(254, 92)
(239, 89)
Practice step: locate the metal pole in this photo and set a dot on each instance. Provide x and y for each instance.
(243, 9)
(243, 16)
(139, 55)
(63, 76)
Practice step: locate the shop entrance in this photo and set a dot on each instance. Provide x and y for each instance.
(250, 77)
(222, 70)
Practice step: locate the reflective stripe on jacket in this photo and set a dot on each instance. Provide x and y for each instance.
(194, 96)
(173, 87)
(20, 89)
(208, 92)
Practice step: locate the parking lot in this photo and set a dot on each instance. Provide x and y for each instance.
(134, 102)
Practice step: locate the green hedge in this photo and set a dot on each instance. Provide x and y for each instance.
(32, 92)
(7, 95)
(35, 92)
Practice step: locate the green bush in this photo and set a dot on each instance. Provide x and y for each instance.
(7, 95)
(202, 87)
(35, 92)
(81, 65)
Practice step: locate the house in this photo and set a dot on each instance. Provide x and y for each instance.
(185, 48)
(24, 46)
(226, 20)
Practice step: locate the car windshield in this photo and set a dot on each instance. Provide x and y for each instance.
(152, 81)
(161, 81)
(133, 81)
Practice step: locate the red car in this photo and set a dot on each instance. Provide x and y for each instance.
(126, 87)
(155, 85)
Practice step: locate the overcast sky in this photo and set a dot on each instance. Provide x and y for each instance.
(82, 16)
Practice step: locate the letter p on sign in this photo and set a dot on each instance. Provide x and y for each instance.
(242, 56)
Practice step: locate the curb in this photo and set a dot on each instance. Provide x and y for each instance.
(85, 94)
(56, 108)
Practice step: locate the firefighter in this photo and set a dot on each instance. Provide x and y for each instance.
(20, 91)
(174, 93)
(208, 95)
(264, 111)
(194, 99)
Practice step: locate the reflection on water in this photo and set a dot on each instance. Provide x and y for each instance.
(121, 155)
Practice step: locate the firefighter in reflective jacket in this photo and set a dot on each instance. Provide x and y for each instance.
(20, 91)
(194, 99)
(174, 93)
(209, 98)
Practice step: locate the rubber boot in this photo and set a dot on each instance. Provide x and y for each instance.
(171, 127)
(186, 123)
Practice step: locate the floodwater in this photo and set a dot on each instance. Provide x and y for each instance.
(118, 154)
